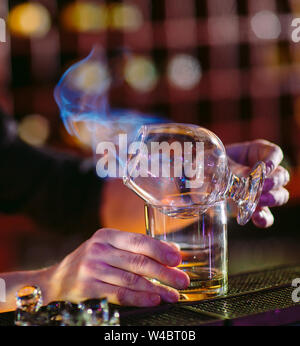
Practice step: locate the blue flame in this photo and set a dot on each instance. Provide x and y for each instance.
(81, 95)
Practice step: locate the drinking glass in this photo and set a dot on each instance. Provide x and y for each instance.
(202, 241)
(183, 169)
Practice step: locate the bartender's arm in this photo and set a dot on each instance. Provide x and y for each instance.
(111, 264)
(64, 193)
(57, 189)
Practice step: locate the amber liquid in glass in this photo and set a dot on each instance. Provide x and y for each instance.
(202, 243)
(204, 282)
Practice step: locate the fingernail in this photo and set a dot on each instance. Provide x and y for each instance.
(173, 259)
(260, 218)
(268, 184)
(263, 201)
(181, 283)
(267, 199)
(155, 299)
(172, 297)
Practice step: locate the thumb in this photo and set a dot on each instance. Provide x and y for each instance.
(238, 169)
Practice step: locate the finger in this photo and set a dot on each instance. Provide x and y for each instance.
(141, 244)
(122, 295)
(141, 265)
(274, 198)
(280, 177)
(262, 217)
(123, 278)
(270, 153)
(238, 169)
(248, 153)
(174, 245)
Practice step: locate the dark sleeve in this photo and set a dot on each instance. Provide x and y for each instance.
(57, 191)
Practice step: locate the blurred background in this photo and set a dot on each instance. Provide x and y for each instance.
(230, 66)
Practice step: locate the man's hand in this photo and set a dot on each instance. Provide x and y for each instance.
(243, 156)
(115, 264)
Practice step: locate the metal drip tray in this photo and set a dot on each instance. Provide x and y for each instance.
(257, 298)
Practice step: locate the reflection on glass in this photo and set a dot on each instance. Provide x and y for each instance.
(202, 242)
(183, 170)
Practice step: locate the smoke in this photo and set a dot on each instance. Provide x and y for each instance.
(82, 97)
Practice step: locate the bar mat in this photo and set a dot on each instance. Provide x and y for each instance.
(261, 297)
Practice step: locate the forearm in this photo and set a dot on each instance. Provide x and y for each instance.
(16, 280)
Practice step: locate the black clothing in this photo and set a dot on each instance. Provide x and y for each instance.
(56, 190)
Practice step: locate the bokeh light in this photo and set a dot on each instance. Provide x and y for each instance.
(29, 19)
(34, 130)
(85, 17)
(140, 73)
(266, 25)
(125, 17)
(184, 71)
(83, 141)
(89, 17)
(91, 77)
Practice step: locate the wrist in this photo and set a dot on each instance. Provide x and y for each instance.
(16, 280)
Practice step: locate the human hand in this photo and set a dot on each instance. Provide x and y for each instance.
(242, 156)
(114, 264)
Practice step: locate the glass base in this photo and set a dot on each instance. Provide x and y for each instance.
(204, 285)
(202, 294)
(252, 193)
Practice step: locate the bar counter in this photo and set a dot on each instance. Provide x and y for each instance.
(253, 299)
